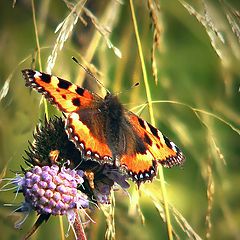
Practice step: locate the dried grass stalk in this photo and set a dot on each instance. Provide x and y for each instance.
(206, 20)
(210, 194)
(159, 204)
(5, 88)
(154, 11)
(134, 207)
(65, 27)
(109, 18)
(109, 211)
(104, 30)
(182, 222)
(233, 17)
(221, 38)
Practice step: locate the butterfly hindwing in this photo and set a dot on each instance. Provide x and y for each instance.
(142, 164)
(91, 143)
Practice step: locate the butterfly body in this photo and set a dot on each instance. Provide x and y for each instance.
(104, 131)
(115, 124)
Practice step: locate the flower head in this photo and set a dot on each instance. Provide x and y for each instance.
(53, 190)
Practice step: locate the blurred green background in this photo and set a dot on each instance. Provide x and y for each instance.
(197, 57)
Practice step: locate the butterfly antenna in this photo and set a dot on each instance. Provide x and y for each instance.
(128, 89)
(90, 74)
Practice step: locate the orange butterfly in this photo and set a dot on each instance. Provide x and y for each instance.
(104, 131)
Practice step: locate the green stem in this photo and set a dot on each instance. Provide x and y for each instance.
(149, 99)
(61, 227)
(39, 52)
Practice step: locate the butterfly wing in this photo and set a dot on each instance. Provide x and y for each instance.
(67, 96)
(141, 162)
(87, 130)
(84, 123)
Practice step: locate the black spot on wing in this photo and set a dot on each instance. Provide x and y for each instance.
(64, 96)
(76, 102)
(80, 91)
(28, 73)
(154, 131)
(45, 78)
(141, 122)
(167, 141)
(147, 139)
(63, 84)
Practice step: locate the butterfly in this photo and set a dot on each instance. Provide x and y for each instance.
(106, 132)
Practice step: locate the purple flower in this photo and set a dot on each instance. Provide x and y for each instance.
(116, 175)
(55, 193)
(54, 184)
(104, 181)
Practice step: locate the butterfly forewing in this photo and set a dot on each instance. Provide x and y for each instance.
(67, 96)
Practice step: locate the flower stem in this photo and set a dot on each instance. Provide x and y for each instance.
(79, 230)
(61, 227)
